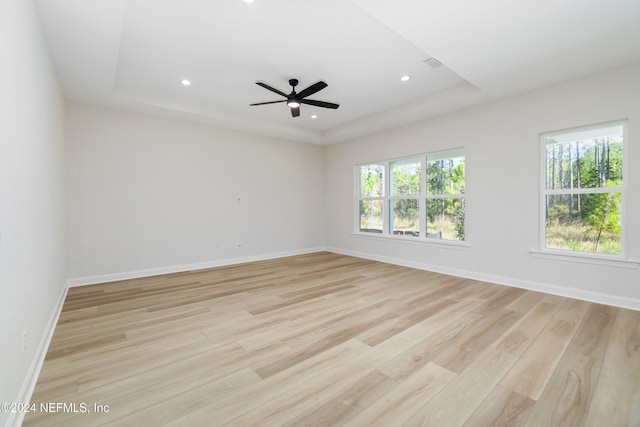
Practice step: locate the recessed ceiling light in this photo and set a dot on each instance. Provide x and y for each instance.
(248, 1)
(405, 78)
(314, 117)
(185, 82)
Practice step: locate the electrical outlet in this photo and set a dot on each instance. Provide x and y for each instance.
(24, 341)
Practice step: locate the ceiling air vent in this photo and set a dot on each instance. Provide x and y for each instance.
(432, 62)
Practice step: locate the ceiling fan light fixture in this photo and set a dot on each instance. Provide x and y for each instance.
(294, 100)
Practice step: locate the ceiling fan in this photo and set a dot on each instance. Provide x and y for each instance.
(295, 99)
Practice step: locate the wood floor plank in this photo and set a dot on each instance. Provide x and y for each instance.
(462, 396)
(424, 351)
(412, 316)
(592, 337)
(300, 321)
(525, 302)
(502, 408)
(499, 298)
(132, 394)
(297, 400)
(224, 410)
(328, 339)
(568, 394)
(573, 310)
(518, 338)
(347, 404)
(615, 402)
(463, 350)
(111, 357)
(157, 414)
(345, 330)
(86, 344)
(101, 375)
(319, 390)
(94, 372)
(403, 401)
(530, 375)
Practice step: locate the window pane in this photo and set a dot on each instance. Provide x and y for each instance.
(584, 222)
(404, 219)
(371, 180)
(445, 218)
(405, 177)
(371, 216)
(581, 160)
(445, 175)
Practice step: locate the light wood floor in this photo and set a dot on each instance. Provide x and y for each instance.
(326, 339)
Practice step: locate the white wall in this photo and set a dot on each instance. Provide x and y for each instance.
(32, 235)
(148, 194)
(501, 141)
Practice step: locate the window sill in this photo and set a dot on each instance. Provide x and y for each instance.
(449, 244)
(610, 261)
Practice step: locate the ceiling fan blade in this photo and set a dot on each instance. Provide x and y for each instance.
(272, 89)
(269, 102)
(295, 111)
(319, 103)
(312, 89)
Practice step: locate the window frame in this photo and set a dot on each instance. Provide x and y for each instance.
(544, 192)
(392, 198)
(387, 198)
(360, 197)
(442, 155)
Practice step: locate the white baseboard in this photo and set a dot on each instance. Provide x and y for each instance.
(113, 277)
(600, 298)
(30, 380)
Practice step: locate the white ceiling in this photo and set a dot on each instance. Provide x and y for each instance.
(132, 54)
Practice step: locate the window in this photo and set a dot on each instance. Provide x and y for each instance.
(445, 196)
(583, 190)
(370, 201)
(417, 197)
(404, 189)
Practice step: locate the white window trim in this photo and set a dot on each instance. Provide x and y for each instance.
(586, 258)
(422, 203)
(452, 244)
(619, 260)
